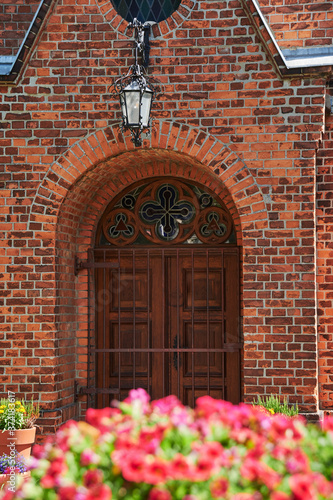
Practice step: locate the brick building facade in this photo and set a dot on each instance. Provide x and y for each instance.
(244, 113)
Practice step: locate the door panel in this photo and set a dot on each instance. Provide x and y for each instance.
(168, 321)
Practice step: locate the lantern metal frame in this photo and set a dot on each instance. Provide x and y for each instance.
(136, 80)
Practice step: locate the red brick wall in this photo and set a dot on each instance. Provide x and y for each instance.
(301, 23)
(325, 265)
(224, 116)
(15, 19)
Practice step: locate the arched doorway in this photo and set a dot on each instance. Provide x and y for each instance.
(167, 294)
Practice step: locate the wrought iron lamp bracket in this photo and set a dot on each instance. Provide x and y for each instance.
(137, 75)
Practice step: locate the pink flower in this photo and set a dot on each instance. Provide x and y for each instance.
(212, 450)
(92, 477)
(101, 419)
(279, 495)
(302, 487)
(39, 451)
(256, 471)
(166, 405)
(88, 457)
(57, 468)
(156, 472)
(8, 495)
(297, 462)
(139, 396)
(327, 424)
(284, 427)
(150, 438)
(48, 482)
(204, 469)
(133, 467)
(324, 487)
(99, 492)
(67, 492)
(159, 494)
(247, 496)
(207, 406)
(180, 416)
(179, 467)
(219, 487)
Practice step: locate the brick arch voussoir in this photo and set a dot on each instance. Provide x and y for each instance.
(176, 138)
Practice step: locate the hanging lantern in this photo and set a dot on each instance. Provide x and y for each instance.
(136, 93)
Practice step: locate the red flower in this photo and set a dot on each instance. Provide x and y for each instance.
(179, 467)
(212, 450)
(279, 495)
(88, 457)
(167, 404)
(92, 477)
(99, 492)
(156, 472)
(247, 496)
(207, 406)
(159, 494)
(219, 487)
(297, 462)
(56, 469)
(324, 487)
(101, 418)
(204, 469)
(67, 492)
(133, 467)
(256, 471)
(302, 487)
(48, 482)
(150, 438)
(39, 451)
(8, 495)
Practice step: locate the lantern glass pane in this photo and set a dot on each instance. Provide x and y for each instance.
(123, 107)
(146, 105)
(132, 101)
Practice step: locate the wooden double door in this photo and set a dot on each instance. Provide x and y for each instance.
(167, 320)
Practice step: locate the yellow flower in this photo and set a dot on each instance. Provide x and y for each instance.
(271, 411)
(1, 411)
(22, 410)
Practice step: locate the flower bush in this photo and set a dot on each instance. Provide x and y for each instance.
(272, 404)
(9, 464)
(163, 450)
(18, 414)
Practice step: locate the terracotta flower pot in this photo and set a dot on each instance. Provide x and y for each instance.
(20, 440)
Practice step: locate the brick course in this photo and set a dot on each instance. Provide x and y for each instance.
(225, 118)
(300, 24)
(15, 19)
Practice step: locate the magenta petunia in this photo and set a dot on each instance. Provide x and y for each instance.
(159, 494)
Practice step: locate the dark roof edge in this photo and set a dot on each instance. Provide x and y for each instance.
(29, 40)
(287, 62)
(300, 64)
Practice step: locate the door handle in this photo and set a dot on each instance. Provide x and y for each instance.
(175, 345)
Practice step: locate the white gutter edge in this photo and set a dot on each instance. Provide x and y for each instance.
(299, 62)
(306, 62)
(26, 35)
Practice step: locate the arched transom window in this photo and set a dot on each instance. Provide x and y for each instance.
(166, 212)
